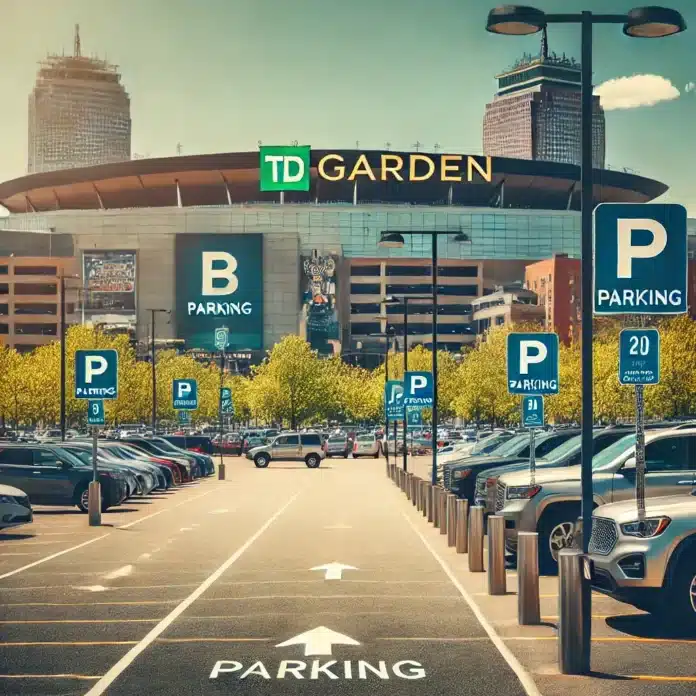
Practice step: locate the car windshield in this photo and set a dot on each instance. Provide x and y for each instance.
(511, 446)
(560, 452)
(608, 455)
(492, 441)
(366, 438)
(69, 456)
(165, 445)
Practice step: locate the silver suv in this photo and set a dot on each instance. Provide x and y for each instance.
(653, 565)
(307, 447)
(552, 505)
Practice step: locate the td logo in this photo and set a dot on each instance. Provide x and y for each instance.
(284, 168)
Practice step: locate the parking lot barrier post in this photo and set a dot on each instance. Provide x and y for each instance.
(409, 484)
(421, 495)
(415, 485)
(221, 471)
(574, 627)
(94, 503)
(442, 512)
(497, 580)
(476, 539)
(462, 533)
(528, 609)
(436, 506)
(430, 500)
(451, 519)
(387, 468)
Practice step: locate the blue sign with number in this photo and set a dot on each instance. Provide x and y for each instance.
(185, 394)
(640, 258)
(95, 412)
(639, 356)
(96, 374)
(394, 400)
(532, 363)
(226, 403)
(414, 416)
(418, 389)
(533, 412)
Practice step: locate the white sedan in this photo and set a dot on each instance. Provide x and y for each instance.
(15, 508)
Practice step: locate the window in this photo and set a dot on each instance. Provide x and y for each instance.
(364, 270)
(365, 288)
(36, 270)
(365, 308)
(4, 310)
(287, 441)
(4, 269)
(457, 290)
(35, 289)
(311, 439)
(397, 289)
(35, 308)
(44, 457)
(364, 328)
(4, 289)
(543, 448)
(36, 329)
(667, 454)
(457, 271)
(4, 329)
(408, 270)
(19, 457)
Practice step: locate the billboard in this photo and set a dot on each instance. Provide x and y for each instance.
(219, 282)
(109, 279)
(319, 299)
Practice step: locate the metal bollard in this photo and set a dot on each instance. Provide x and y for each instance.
(462, 533)
(398, 476)
(94, 503)
(424, 499)
(442, 512)
(574, 612)
(409, 485)
(387, 469)
(415, 487)
(221, 472)
(451, 519)
(476, 539)
(528, 609)
(430, 500)
(436, 506)
(497, 580)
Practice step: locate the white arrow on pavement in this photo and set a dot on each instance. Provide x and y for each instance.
(319, 641)
(334, 571)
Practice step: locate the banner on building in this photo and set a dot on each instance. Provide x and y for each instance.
(219, 282)
(320, 301)
(109, 285)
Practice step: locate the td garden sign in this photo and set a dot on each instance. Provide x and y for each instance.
(285, 168)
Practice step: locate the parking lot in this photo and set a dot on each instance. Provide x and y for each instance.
(282, 580)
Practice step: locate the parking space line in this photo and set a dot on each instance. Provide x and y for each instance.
(63, 644)
(159, 512)
(93, 604)
(431, 639)
(49, 676)
(515, 665)
(611, 639)
(213, 640)
(77, 621)
(103, 684)
(52, 556)
(659, 678)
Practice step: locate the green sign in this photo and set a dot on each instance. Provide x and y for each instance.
(219, 280)
(95, 412)
(226, 403)
(284, 168)
(414, 416)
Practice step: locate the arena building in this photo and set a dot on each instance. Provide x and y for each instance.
(217, 240)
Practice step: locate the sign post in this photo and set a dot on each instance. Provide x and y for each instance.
(418, 394)
(394, 407)
(641, 267)
(96, 378)
(226, 406)
(532, 418)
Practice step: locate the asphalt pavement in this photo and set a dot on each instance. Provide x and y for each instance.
(286, 580)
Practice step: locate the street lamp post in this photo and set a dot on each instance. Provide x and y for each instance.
(642, 22)
(153, 357)
(395, 239)
(387, 335)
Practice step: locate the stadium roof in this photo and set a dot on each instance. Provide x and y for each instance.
(233, 179)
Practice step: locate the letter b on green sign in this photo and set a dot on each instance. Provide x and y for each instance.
(284, 168)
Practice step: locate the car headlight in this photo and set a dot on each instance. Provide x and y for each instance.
(522, 492)
(461, 473)
(652, 527)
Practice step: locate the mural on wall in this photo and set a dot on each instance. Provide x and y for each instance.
(320, 314)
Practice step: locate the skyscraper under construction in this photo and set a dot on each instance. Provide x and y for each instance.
(79, 113)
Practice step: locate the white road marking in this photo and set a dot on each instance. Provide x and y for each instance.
(319, 641)
(186, 529)
(121, 572)
(144, 556)
(103, 684)
(525, 678)
(339, 526)
(221, 511)
(92, 588)
(52, 556)
(334, 571)
(159, 512)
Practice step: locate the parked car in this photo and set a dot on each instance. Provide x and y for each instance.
(649, 564)
(367, 445)
(338, 446)
(50, 475)
(15, 508)
(156, 450)
(232, 443)
(305, 447)
(551, 505)
(201, 444)
(204, 461)
(251, 442)
(182, 470)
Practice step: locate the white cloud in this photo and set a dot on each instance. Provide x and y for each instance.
(690, 86)
(637, 90)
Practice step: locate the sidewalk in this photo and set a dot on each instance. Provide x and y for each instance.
(631, 652)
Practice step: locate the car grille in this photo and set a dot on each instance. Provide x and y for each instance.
(500, 497)
(604, 536)
(480, 486)
(447, 477)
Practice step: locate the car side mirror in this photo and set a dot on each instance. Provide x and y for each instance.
(64, 465)
(630, 464)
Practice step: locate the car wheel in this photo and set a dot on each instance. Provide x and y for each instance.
(328, 456)
(679, 601)
(376, 455)
(346, 454)
(312, 461)
(261, 461)
(556, 530)
(82, 500)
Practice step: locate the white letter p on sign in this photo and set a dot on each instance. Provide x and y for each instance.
(527, 359)
(183, 389)
(95, 365)
(626, 251)
(418, 382)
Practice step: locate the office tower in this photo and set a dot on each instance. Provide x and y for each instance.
(79, 113)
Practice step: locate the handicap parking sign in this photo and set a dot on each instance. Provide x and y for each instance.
(640, 258)
(418, 389)
(185, 394)
(533, 412)
(532, 363)
(96, 374)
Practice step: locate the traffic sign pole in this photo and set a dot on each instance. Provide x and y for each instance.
(532, 458)
(640, 451)
(94, 491)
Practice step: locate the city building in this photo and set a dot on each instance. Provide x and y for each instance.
(535, 113)
(30, 299)
(506, 304)
(79, 113)
(196, 235)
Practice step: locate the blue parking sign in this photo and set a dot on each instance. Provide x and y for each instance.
(185, 394)
(532, 411)
(418, 389)
(532, 363)
(394, 400)
(414, 416)
(640, 258)
(95, 412)
(96, 374)
(639, 356)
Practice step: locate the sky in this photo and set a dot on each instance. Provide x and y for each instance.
(222, 75)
